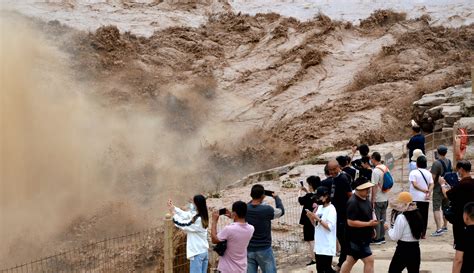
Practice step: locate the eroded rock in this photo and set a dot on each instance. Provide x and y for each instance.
(443, 108)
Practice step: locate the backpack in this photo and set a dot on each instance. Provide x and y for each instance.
(387, 180)
(448, 174)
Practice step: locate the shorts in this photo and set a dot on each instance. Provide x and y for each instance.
(359, 250)
(308, 232)
(439, 201)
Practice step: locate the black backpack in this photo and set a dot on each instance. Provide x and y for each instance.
(448, 174)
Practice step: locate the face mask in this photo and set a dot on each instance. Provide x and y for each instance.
(191, 207)
(319, 202)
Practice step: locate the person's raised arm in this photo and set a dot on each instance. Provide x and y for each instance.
(215, 219)
(279, 211)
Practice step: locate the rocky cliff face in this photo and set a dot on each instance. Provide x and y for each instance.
(442, 109)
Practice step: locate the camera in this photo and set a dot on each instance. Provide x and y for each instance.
(222, 211)
(269, 193)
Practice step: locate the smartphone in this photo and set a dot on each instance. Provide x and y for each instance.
(222, 211)
(268, 193)
(301, 183)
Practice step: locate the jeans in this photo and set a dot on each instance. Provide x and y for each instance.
(198, 264)
(263, 258)
(407, 255)
(381, 213)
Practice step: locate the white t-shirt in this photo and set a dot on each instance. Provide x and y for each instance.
(377, 180)
(326, 239)
(416, 177)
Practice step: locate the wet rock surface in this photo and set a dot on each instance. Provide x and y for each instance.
(443, 108)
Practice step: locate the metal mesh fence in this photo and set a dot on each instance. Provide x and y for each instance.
(133, 252)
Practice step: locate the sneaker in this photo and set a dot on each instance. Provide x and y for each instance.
(311, 263)
(376, 242)
(382, 240)
(439, 232)
(444, 229)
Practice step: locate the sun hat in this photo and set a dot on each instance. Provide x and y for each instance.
(416, 153)
(403, 202)
(361, 183)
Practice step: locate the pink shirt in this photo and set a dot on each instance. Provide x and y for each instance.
(238, 236)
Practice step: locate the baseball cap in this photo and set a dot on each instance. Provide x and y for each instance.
(442, 149)
(321, 191)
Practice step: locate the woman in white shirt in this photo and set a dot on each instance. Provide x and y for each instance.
(421, 187)
(406, 229)
(412, 165)
(194, 223)
(324, 218)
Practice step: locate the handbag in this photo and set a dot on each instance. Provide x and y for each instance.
(449, 213)
(220, 248)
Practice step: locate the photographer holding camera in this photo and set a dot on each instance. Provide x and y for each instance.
(237, 235)
(260, 215)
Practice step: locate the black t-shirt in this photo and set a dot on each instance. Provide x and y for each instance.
(307, 203)
(367, 173)
(341, 188)
(350, 171)
(468, 258)
(361, 210)
(357, 163)
(460, 196)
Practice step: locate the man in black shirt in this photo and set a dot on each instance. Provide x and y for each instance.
(340, 191)
(365, 170)
(360, 227)
(364, 152)
(459, 196)
(344, 163)
(468, 253)
(417, 141)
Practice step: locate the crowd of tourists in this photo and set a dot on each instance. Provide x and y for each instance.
(343, 215)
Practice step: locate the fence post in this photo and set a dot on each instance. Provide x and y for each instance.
(168, 244)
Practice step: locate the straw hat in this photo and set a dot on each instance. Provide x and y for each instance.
(403, 202)
(416, 153)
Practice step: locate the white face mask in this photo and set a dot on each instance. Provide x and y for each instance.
(191, 207)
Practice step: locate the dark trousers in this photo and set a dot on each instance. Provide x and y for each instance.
(342, 238)
(323, 264)
(423, 208)
(407, 255)
(381, 213)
